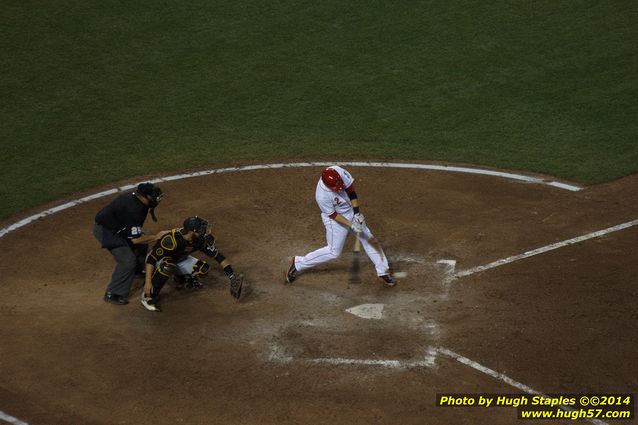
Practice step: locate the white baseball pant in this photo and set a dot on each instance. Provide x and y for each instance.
(336, 235)
(186, 266)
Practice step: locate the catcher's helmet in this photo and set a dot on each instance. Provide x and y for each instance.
(332, 179)
(196, 224)
(151, 192)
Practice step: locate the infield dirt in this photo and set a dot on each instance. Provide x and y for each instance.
(561, 322)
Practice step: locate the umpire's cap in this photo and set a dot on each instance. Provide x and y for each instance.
(152, 192)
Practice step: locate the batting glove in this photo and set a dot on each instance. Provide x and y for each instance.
(356, 227)
(359, 218)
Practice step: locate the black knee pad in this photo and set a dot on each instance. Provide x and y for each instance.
(166, 267)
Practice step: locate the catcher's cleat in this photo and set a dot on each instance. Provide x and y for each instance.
(150, 303)
(388, 280)
(291, 274)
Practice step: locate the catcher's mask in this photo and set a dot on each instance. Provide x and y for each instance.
(332, 179)
(196, 224)
(151, 192)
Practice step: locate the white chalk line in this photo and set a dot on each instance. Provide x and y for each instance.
(10, 419)
(501, 377)
(391, 364)
(545, 248)
(278, 354)
(8, 229)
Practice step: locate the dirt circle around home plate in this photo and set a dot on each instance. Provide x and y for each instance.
(562, 321)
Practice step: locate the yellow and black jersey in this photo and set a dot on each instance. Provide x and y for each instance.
(174, 245)
(171, 245)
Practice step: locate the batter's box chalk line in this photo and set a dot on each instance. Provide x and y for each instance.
(400, 264)
(421, 260)
(278, 355)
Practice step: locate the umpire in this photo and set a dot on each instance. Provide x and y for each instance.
(118, 228)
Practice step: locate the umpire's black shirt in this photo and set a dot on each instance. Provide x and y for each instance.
(124, 216)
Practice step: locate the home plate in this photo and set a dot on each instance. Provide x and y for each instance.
(367, 311)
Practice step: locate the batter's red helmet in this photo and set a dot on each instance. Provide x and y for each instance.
(332, 179)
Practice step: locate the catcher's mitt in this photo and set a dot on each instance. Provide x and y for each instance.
(236, 284)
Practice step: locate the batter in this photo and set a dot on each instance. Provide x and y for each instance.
(337, 199)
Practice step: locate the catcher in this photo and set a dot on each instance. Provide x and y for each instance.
(170, 256)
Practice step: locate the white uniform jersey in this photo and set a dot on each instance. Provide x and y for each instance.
(330, 202)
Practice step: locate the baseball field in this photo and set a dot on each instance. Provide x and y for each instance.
(495, 154)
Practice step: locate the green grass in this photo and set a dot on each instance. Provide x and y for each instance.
(95, 92)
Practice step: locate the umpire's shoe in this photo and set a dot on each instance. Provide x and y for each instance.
(291, 274)
(112, 298)
(150, 303)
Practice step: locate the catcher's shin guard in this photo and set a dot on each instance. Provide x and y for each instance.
(165, 269)
(200, 270)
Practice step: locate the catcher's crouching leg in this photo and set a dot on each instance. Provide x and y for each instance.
(200, 270)
(164, 269)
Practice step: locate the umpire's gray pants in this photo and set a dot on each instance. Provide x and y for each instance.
(124, 272)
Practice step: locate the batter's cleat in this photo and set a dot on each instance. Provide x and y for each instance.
(112, 298)
(388, 280)
(150, 304)
(291, 274)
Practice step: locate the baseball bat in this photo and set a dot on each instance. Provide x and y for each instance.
(356, 253)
